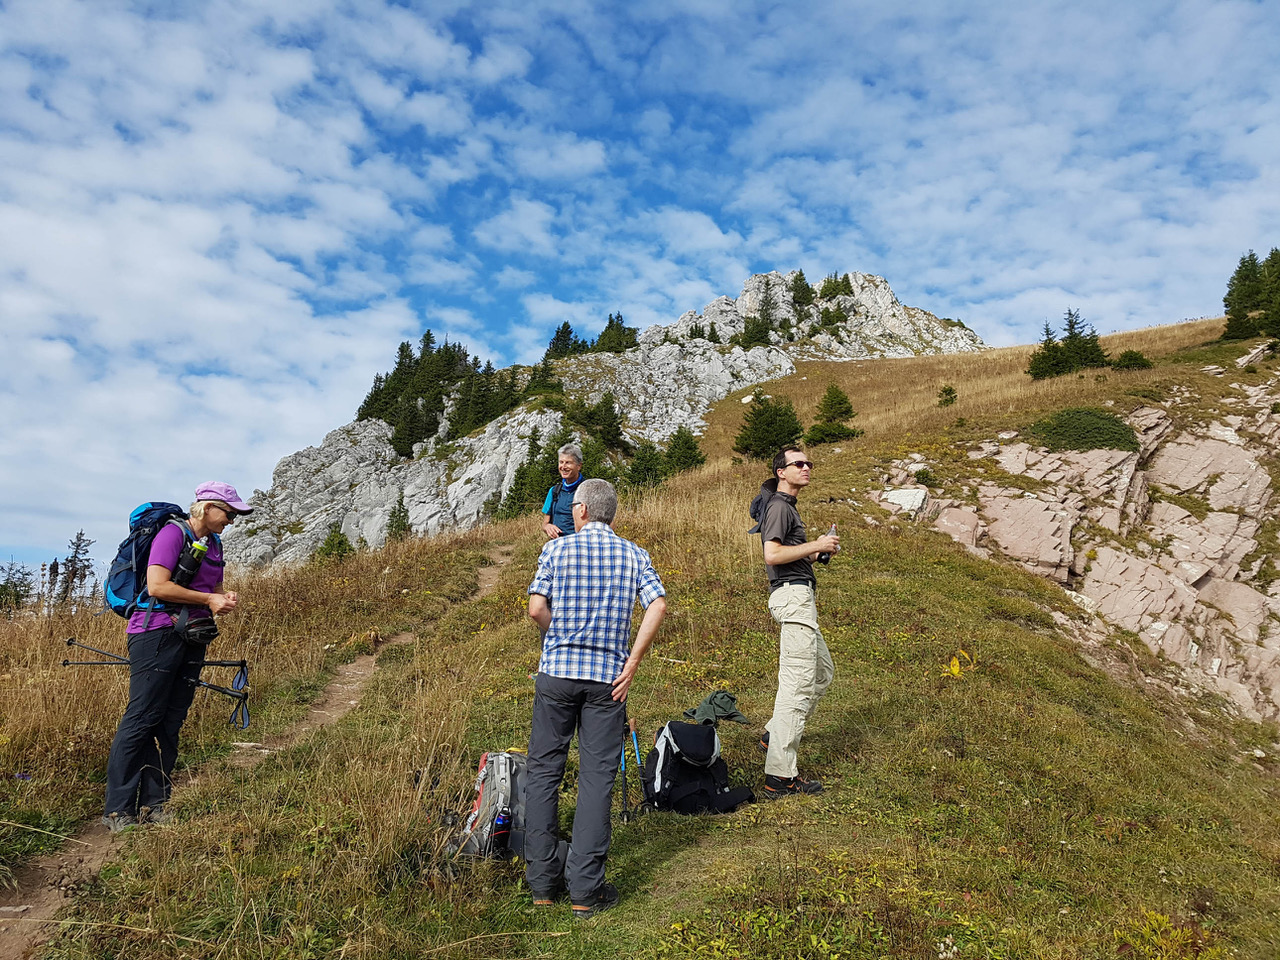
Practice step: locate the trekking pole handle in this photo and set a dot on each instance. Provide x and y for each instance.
(631, 724)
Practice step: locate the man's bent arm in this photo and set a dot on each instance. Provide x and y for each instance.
(775, 554)
(540, 612)
(653, 616)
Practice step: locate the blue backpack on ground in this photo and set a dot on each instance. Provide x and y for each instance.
(125, 589)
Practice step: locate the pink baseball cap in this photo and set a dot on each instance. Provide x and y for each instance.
(216, 490)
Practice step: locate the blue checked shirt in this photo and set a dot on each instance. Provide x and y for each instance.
(591, 582)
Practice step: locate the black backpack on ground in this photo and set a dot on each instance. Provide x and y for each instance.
(685, 773)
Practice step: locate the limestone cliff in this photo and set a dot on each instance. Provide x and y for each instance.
(1167, 542)
(671, 379)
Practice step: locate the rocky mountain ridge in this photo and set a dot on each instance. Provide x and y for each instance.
(1174, 542)
(671, 379)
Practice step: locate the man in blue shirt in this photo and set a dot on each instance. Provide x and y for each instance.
(557, 509)
(582, 598)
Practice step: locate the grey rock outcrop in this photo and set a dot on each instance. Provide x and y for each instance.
(354, 478)
(669, 380)
(1163, 542)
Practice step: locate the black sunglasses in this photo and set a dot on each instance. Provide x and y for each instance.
(801, 464)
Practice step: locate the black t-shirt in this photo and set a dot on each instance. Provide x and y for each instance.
(782, 524)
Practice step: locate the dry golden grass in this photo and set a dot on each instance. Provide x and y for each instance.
(896, 397)
(57, 722)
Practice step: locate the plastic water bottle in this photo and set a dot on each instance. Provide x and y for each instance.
(189, 563)
(502, 829)
(824, 556)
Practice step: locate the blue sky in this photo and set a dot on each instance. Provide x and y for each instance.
(218, 220)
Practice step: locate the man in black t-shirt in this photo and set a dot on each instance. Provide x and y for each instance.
(804, 664)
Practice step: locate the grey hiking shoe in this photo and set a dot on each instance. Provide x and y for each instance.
(764, 742)
(155, 815)
(605, 898)
(118, 822)
(782, 786)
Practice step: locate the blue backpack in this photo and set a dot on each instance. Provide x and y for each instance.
(125, 589)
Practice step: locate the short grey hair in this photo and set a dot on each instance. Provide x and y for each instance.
(600, 499)
(571, 450)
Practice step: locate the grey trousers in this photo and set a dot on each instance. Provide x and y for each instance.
(560, 707)
(163, 670)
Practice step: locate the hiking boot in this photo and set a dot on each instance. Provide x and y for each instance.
(547, 898)
(781, 786)
(764, 741)
(119, 822)
(156, 815)
(605, 898)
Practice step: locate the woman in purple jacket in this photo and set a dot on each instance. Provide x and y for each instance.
(167, 639)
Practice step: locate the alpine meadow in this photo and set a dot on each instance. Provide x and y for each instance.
(1006, 775)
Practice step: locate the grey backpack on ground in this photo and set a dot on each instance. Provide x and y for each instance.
(495, 827)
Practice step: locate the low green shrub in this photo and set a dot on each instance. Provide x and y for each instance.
(1131, 360)
(1084, 428)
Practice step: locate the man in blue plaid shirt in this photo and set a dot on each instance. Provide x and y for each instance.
(582, 598)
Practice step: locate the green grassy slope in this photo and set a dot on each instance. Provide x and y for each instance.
(1032, 806)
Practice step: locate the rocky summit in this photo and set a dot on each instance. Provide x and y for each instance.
(671, 379)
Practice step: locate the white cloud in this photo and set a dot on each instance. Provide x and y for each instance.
(525, 226)
(513, 278)
(235, 212)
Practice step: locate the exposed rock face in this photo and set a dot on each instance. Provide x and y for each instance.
(354, 478)
(1191, 577)
(878, 324)
(670, 380)
(668, 385)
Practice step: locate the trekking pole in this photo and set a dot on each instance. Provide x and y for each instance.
(240, 712)
(73, 642)
(625, 817)
(636, 743)
(237, 691)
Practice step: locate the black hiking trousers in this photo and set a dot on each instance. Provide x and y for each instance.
(560, 707)
(163, 670)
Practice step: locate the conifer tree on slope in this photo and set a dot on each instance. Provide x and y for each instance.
(1246, 293)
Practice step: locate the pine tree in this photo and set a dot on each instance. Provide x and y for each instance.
(833, 410)
(336, 547)
(802, 293)
(605, 422)
(712, 334)
(565, 343)
(683, 452)
(830, 287)
(409, 427)
(767, 426)
(1246, 294)
(1080, 346)
(76, 567)
(398, 527)
(616, 336)
(648, 467)
(1048, 359)
(1271, 293)
(17, 585)
(835, 406)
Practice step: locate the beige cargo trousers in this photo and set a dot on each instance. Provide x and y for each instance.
(804, 674)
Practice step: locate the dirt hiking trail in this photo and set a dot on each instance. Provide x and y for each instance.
(48, 883)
